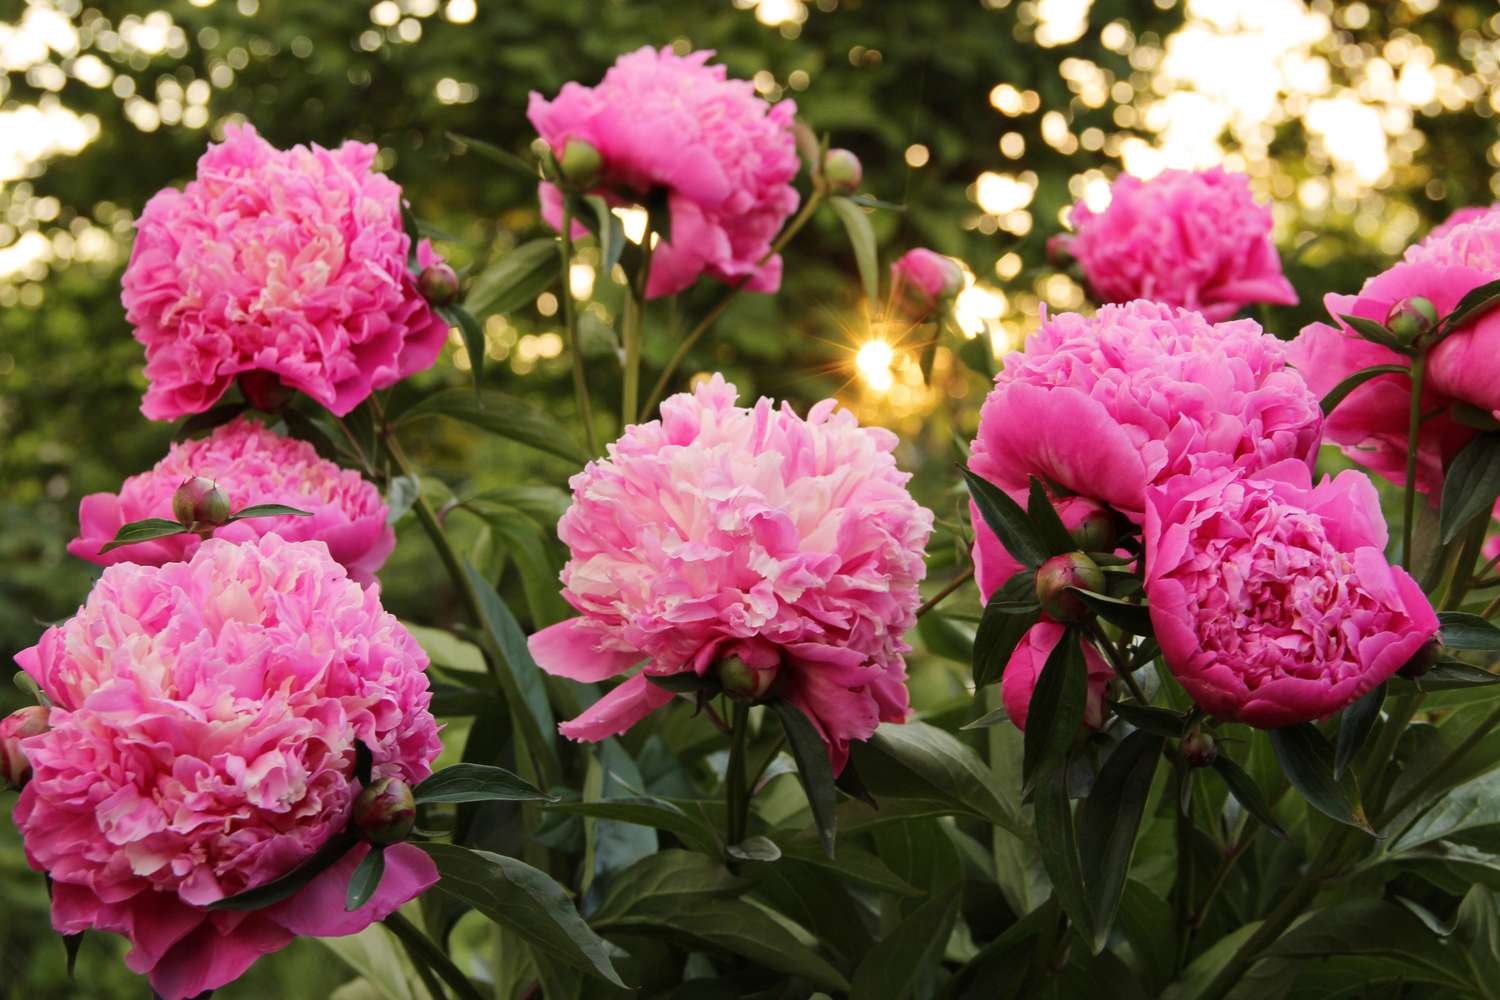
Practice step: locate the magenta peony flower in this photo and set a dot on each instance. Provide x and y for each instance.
(202, 742)
(1272, 598)
(1107, 405)
(1459, 216)
(921, 280)
(1187, 238)
(720, 531)
(288, 262)
(1025, 666)
(724, 157)
(253, 466)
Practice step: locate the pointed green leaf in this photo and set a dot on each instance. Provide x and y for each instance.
(1161, 721)
(293, 881)
(267, 510)
(495, 154)
(1355, 724)
(661, 814)
(1049, 526)
(143, 531)
(1058, 842)
(1108, 822)
(1056, 711)
(1307, 759)
(813, 768)
(856, 222)
(1001, 629)
(366, 878)
(1461, 630)
(1453, 675)
(1247, 793)
(898, 963)
(515, 280)
(502, 415)
(473, 335)
(1133, 618)
(1471, 485)
(921, 762)
(1473, 305)
(477, 783)
(1374, 332)
(1007, 520)
(1341, 392)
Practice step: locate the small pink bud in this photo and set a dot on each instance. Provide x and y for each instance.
(385, 812)
(1060, 250)
(740, 680)
(1198, 748)
(15, 769)
(438, 284)
(199, 503)
(1411, 318)
(580, 164)
(264, 391)
(1056, 575)
(1096, 531)
(842, 171)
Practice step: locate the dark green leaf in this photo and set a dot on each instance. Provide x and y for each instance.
(610, 232)
(856, 222)
(424, 952)
(413, 235)
(686, 682)
(209, 419)
(400, 495)
(1341, 392)
(661, 814)
(1247, 793)
(1000, 631)
(1472, 306)
(366, 878)
(71, 944)
(1108, 822)
(852, 865)
(1056, 710)
(293, 881)
(1471, 485)
(754, 849)
(1058, 843)
(988, 719)
(524, 900)
(1379, 928)
(143, 531)
(502, 415)
(921, 762)
(1354, 726)
(1049, 527)
(1007, 520)
(897, 965)
(448, 650)
(525, 540)
(1461, 630)
(1133, 618)
(1453, 675)
(515, 280)
(1161, 721)
(473, 335)
(1374, 332)
(268, 510)
(477, 783)
(813, 767)
(495, 154)
(1307, 759)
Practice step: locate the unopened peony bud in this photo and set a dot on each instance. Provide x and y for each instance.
(199, 503)
(741, 680)
(1096, 531)
(1198, 749)
(580, 164)
(438, 284)
(1423, 660)
(1056, 575)
(15, 727)
(264, 391)
(385, 812)
(842, 171)
(1060, 250)
(1411, 318)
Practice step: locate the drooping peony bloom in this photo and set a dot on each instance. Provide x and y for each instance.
(202, 742)
(253, 466)
(724, 157)
(1025, 667)
(292, 263)
(1107, 405)
(1187, 238)
(1272, 598)
(722, 531)
(921, 280)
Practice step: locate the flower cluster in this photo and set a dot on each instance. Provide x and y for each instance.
(202, 742)
(719, 532)
(723, 156)
(1186, 238)
(288, 264)
(253, 466)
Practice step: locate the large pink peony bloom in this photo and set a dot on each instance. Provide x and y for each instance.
(1272, 598)
(253, 466)
(203, 742)
(1025, 668)
(1105, 406)
(1458, 217)
(720, 531)
(724, 157)
(1187, 238)
(288, 262)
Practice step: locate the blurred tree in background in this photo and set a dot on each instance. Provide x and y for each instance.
(984, 119)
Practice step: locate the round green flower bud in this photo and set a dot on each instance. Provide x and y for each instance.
(740, 680)
(580, 164)
(1096, 531)
(1198, 749)
(199, 503)
(438, 284)
(385, 812)
(1411, 318)
(1056, 575)
(842, 171)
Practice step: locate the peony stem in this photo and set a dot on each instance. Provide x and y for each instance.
(714, 313)
(1221, 876)
(429, 958)
(1413, 432)
(1182, 895)
(736, 789)
(570, 331)
(631, 324)
(1122, 669)
(948, 589)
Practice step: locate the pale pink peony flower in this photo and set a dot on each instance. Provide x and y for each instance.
(1272, 598)
(1025, 667)
(724, 157)
(1458, 217)
(1104, 406)
(723, 531)
(921, 280)
(253, 466)
(288, 262)
(1187, 238)
(202, 742)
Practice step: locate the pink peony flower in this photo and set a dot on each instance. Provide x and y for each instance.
(993, 565)
(1272, 598)
(1104, 406)
(1459, 216)
(921, 280)
(1025, 667)
(1186, 238)
(288, 262)
(253, 466)
(720, 531)
(724, 157)
(202, 742)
